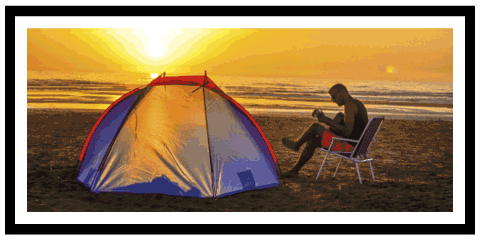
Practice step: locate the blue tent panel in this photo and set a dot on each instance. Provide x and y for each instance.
(102, 138)
(240, 156)
(257, 137)
(160, 185)
(244, 190)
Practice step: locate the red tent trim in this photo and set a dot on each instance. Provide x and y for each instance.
(186, 80)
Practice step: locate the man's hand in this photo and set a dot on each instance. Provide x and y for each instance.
(319, 115)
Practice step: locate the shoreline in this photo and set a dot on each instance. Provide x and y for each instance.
(324, 100)
(277, 112)
(251, 101)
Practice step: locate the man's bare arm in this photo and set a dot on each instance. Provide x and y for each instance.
(331, 123)
(347, 129)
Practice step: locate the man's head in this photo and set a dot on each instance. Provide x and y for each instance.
(339, 94)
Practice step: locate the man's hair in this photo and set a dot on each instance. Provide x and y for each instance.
(339, 87)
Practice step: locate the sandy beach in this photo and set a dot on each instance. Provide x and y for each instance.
(413, 171)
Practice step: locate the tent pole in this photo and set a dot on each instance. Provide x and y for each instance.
(208, 135)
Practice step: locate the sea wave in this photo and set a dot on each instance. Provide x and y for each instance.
(258, 94)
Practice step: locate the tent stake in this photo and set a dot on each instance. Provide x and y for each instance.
(280, 171)
(73, 175)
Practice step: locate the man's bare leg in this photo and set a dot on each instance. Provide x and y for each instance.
(306, 155)
(314, 131)
(313, 137)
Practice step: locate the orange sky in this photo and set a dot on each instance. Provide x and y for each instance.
(356, 54)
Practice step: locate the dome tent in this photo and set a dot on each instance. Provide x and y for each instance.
(178, 136)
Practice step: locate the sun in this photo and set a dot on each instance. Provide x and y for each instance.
(154, 75)
(390, 69)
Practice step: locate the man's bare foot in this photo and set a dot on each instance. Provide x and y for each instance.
(290, 144)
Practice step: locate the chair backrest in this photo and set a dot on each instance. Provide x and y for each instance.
(368, 135)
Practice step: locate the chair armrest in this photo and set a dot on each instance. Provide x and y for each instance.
(344, 139)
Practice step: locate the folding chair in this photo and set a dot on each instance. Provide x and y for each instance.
(360, 153)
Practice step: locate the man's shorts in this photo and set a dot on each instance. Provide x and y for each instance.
(338, 145)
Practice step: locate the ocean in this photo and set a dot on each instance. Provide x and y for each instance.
(259, 95)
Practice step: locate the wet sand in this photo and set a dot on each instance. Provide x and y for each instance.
(413, 172)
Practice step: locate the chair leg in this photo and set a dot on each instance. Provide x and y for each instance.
(371, 170)
(335, 174)
(319, 171)
(358, 172)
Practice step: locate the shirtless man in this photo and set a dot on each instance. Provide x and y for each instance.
(349, 125)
